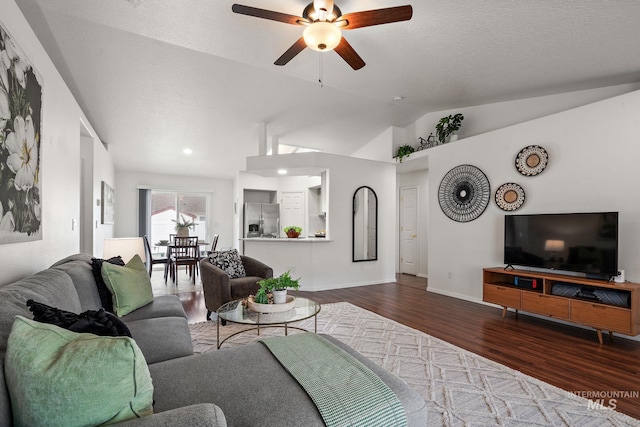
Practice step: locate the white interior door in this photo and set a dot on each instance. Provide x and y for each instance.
(409, 230)
(292, 210)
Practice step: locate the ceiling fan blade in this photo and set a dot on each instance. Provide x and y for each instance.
(295, 49)
(268, 14)
(368, 18)
(347, 53)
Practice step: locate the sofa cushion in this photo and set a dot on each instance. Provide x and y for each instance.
(78, 267)
(98, 322)
(68, 379)
(106, 297)
(230, 262)
(129, 285)
(161, 306)
(52, 287)
(162, 338)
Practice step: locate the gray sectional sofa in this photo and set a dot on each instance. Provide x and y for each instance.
(240, 386)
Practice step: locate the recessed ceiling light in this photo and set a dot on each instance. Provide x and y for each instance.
(398, 98)
(187, 151)
(282, 171)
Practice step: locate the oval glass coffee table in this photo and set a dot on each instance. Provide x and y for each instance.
(235, 312)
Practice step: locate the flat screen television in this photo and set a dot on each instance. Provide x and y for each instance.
(576, 242)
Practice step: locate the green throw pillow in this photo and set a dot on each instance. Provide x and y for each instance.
(130, 285)
(56, 377)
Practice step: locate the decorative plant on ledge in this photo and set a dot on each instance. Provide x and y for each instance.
(448, 125)
(403, 151)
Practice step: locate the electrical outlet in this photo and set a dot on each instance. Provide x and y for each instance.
(450, 274)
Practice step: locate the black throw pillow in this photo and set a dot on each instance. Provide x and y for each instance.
(104, 292)
(98, 322)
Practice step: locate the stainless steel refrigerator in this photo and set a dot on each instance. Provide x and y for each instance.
(261, 219)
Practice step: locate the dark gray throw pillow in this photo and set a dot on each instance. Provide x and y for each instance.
(98, 322)
(230, 262)
(105, 294)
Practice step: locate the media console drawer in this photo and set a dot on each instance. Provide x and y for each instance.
(545, 304)
(602, 316)
(502, 295)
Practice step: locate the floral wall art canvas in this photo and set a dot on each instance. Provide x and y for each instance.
(20, 124)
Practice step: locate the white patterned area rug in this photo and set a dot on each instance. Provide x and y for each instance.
(460, 387)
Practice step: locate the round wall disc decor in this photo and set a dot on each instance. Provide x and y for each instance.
(532, 160)
(464, 193)
(509, 197)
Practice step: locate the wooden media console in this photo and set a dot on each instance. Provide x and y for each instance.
(590, 306)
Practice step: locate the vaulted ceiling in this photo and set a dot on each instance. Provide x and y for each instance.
(157, 76)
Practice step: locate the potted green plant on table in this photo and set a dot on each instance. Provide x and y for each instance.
(183, 225)
(277, 288)
(293, 231)
(448, 126)
(403, 151)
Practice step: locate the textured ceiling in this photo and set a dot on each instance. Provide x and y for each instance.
(156, 76)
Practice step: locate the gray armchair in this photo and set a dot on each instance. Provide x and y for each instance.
(219, 288)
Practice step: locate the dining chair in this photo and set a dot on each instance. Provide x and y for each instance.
(214, 243)
(184, 251)
(156, 258)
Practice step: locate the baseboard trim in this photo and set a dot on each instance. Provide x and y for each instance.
(455, 295)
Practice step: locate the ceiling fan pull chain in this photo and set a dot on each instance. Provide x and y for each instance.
(320, 70)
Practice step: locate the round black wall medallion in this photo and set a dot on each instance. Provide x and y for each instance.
(464, 193)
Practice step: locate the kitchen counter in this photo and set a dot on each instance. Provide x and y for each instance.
(310, 239)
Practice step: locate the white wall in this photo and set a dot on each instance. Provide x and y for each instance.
(220, 202)
(60, 162)
(593, 164)
(485, 118)
(381, 148)
(332, 265)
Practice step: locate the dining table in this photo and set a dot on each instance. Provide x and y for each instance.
(166, 244)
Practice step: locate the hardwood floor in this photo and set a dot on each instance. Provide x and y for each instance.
(565, 356)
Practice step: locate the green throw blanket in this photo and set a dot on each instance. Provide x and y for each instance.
(346, 392)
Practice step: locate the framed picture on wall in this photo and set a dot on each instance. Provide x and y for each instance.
(107, 204)
(21, 87)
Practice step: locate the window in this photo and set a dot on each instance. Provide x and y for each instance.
(165, 207)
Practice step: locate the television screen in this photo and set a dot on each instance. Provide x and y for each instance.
(578, 242)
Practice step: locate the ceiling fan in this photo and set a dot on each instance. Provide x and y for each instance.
(323, 21)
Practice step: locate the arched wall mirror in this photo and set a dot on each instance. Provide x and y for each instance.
(365, 225)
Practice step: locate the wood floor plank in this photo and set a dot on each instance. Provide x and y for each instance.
(566, 356)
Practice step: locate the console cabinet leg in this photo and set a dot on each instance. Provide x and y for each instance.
(599, 332)
(505, 309)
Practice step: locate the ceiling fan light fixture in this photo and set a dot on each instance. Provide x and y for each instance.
(322, 36)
